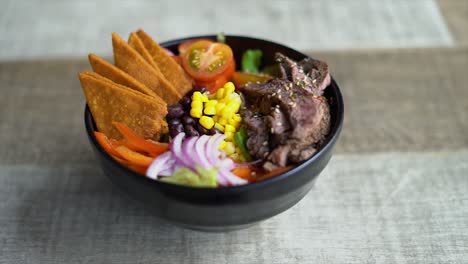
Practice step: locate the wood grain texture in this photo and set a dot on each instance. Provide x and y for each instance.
(455, 13)
(406, 100)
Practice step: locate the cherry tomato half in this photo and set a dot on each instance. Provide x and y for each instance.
(185, 45)
(221, 79)
(205, 60)
(242, 78)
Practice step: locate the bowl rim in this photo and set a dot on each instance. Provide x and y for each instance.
(333, 135)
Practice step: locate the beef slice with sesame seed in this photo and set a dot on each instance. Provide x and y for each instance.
(290, 115)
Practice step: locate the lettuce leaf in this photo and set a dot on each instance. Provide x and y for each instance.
(201, 178)
(251, 60)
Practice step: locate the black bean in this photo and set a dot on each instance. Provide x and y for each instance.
(202, 130)
(174, 121)
(188, 120)
(179, 127)
(175, 111)
(213, 131)
(191, 131)
(186, 101)
(173, 132)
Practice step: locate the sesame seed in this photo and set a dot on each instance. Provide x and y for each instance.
(278, 124)
(253, 173)
(314, 80)
(265, 143)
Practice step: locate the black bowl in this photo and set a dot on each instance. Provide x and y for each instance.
(226, 208)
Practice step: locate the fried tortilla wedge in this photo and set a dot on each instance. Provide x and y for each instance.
(128, 60)
(162, 106)
(135, 42)
(109, 71)
(167, 65)
(110, 102)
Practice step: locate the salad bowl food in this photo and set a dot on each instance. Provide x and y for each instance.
(214, 199)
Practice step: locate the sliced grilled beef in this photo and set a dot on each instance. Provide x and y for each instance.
(257, 131)
(287, 118)
(312, 75)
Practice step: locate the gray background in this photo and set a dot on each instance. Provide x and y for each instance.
(75, 28)
(394, 192)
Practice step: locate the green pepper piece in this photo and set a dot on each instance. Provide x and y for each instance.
(251, 60)
(241, 140)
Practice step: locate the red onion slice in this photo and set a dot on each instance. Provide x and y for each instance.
(202, 153)
(176, 148)
(212, 149)
(231, 178)
(188, 147)
(160, 163)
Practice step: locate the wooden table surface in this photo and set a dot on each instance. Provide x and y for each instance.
(394, 192)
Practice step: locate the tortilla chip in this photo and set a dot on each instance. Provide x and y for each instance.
(135, 42)
(167, 65)
(110, 102)
(118, 76)
(128, 60)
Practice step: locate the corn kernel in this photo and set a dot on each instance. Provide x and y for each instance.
(229, 148)
(196, 112)
(215, 118)
(227, 113)
(219, 127)
(229, 128)
(222, 145)
(219, 107)
(229, 87)
(204, 98)
(212, 103)
(197, 96)
(222, 121)
(236, 107)
(229, 135)
(197, 104)
(237, 118)
(233, 97)
(209, 110)
(220, 93)
(207, 122)
(233, 123)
